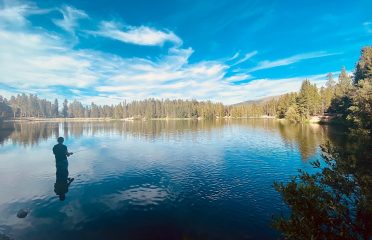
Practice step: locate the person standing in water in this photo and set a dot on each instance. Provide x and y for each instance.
(60, 150)
(62, 180)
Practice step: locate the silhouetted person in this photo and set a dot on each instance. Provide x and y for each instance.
(62, 179)
(60, 150)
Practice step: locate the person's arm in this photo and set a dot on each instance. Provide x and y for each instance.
(68, 153)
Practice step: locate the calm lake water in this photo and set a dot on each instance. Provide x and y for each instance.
(152, 179)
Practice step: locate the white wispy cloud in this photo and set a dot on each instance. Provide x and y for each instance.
(290, 60)
(14, 14)
(245, 58)
(368, 26)
(31, 60)
(141, 35)
(236, 55)
(238, 77)
(70, 19)
(39, 61)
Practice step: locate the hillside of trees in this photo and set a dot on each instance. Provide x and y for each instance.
(349, 99)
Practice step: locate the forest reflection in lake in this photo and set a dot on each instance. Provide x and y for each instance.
(158, 179)
(306, 137)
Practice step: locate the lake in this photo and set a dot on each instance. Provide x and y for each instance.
(179, 179)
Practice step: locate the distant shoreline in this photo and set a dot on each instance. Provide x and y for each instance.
(34, 119)
(312, 120)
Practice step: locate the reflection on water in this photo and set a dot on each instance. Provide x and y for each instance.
(152, 179)
(62, 179)
(28, 133)
(305, 137)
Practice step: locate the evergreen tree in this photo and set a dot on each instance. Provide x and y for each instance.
(343, 86)
(342, 100)
(55, 112)
(14, 105)
(94, 111)
(308, 100)
(118, 111)
(303, 100)
(330, 81)
(328, 93)
(284, 102)
(293, 114)
(361, 107)
(65, 109)
(5, 110)
(76, 109)
(363, 70)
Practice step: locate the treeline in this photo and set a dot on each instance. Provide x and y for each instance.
(24, 105)
(312, 101)
(334, 98)
(349, 99)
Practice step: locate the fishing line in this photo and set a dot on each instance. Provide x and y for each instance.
(86, 149)
(81, 150)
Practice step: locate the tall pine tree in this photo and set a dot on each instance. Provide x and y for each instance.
(65, 109)
(55, 108)
(363, 70)
(361, 107)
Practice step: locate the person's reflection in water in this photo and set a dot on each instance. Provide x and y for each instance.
(62, 180)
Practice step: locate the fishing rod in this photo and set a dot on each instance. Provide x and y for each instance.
(82, 150)
(86, 149)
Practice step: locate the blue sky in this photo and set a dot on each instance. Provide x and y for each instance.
(228, 51)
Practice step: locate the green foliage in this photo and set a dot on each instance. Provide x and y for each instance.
(65, 108)
(29, 105)
(55, 111)
(74, 109)
(254, 109)
(360, 111)
(342, 97)
(330, 81)
(340, 105)
(5, 110)
(308, 100)
(299, 108)
(327, 93)
(32, 106)
(334, 203)
(293, 114)
(284, 102)
(363, 70)
(343, 86)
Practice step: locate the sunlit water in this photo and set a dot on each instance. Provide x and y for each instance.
(152, 179)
